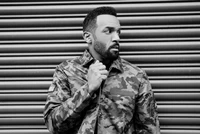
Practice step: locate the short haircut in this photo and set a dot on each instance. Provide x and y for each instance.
(89, 22)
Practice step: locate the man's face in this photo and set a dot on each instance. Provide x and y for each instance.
(106, 37)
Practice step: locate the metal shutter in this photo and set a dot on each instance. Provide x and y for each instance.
(162, 37)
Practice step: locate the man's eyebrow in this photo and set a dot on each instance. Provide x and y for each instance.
(113, 28)
(110, 27)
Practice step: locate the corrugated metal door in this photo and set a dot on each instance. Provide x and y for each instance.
(162, 37)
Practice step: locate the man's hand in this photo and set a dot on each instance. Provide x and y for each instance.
(96, 74)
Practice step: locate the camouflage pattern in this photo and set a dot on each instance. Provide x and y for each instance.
(124, 104)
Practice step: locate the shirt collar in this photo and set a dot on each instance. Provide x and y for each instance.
(87, 59)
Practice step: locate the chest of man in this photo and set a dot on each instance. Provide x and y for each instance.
(113, 105)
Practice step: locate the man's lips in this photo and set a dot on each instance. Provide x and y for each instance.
(115, 47)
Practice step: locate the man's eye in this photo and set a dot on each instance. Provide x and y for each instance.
(107, 31)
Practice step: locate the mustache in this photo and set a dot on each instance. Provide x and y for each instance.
(115, 45)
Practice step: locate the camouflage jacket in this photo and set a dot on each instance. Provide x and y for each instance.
(124, 104)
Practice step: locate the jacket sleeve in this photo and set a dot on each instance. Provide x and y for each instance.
(146, 117)
(65, 103)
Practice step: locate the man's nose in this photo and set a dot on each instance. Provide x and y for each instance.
(115, 37)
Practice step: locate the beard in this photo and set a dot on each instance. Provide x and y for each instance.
(106, 54)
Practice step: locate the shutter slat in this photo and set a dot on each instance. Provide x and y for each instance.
(133, 58)
(179, 109)
(159, 96)
(26, 72)
(142, 33)
(74, 9)
(175, 83)
(21, 97)
(42, 47)
(24, 84)
(125, 46)
(180, 121)
(31, 121)
(178, 96)
(24, 131)
(191, 71)
(180, 131)
(22, 127)
(77, 22)
(22, 109)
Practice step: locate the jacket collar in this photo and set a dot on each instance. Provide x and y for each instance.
(87, 59)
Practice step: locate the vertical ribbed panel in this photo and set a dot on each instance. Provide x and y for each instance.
(162, 37)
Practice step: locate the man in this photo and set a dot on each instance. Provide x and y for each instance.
(98, 92)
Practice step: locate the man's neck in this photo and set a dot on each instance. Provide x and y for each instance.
(107, 63)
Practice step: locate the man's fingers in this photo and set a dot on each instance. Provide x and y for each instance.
(104, 77)
(98, 65)
(101, 67)
(96, 74)
(103, 72)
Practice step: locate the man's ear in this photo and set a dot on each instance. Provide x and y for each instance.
(87, 36)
